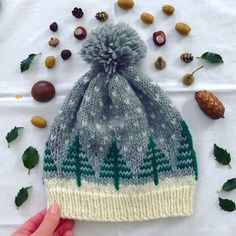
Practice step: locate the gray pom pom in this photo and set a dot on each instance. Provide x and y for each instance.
(113, 47)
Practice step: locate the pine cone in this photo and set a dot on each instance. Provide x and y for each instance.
(102, 16)
(77, 12)
(210, 104)
(186, 57)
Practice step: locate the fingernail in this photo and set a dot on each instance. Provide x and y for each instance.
(54, 209)
(68, 233)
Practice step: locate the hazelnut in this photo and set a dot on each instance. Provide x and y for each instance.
(53, 42)
(159, 38)
(80, 33)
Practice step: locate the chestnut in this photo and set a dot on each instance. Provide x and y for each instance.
(159, 38)
(80, 33)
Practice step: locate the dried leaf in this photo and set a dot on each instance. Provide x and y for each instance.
(25, 64)
(229, 185)
(22, 196)
(30, 158)
(212, 57)
(221, 155)
(13, 134)
(227, 205)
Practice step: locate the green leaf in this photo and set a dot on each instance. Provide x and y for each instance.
(25, 64)
(221, 155)
(13, 134)
(30, 158)
(212, 57)
(227, 205)
(229, 185)
(22, 196)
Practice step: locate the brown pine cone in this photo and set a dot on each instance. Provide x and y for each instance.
(210, 104)
(186, 57)
(102, 16)
(77, 12)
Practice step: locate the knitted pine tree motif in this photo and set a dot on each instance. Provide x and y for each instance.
(77, 163)
(155, 162)
(114, 166)
(186, 155)
(49, 164)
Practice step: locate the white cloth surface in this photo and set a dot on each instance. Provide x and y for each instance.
(24, 30)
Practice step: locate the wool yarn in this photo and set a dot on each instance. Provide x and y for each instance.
(119, 150)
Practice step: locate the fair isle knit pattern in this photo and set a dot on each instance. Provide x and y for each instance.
(118, 150)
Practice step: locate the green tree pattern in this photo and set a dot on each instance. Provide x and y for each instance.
(115, 167)
(77, 162)
(186, 156)
(154, 162)
(49, 165)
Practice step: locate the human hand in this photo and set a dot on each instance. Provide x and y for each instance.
(46, 223)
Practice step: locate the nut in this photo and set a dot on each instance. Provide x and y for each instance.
(50, 62)
(182, 28)
(160, 63)
(43, 91)
(39, 121)
(188, 79)
(210, 104)
(168, 9)
(65, 54)
(159, 38)
(54, 27)
(147, 18)
(53, 42)
(125, 4)
(80, 33)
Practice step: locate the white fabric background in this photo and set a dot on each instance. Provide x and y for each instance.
(24, 30)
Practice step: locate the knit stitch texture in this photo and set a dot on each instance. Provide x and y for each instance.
(118, 150)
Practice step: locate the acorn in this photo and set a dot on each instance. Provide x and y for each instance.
(188, 79)
(102, 16)
(186, 57)
(210, 104)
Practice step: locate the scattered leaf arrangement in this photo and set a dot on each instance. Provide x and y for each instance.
(22, 196)
(224, 158)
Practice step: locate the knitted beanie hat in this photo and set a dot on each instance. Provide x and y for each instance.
(118, 150)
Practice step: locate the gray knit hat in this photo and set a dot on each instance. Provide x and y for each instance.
(118, 150)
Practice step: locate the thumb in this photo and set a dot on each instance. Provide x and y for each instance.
(50, 222)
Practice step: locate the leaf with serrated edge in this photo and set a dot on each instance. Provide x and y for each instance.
(212, 57)
(22, 196)
(222, 156)
(227, 205)
(25, 64)
(229, 185)
(13, 134)
(30, 158)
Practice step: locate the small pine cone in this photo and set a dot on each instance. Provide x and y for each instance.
(210, 104)
(102, 16)
(186, 57)
(77, 12)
